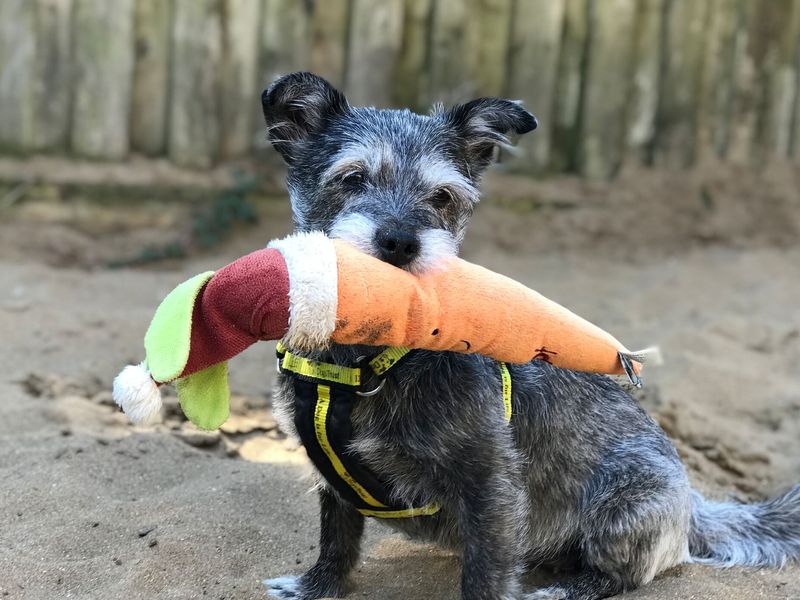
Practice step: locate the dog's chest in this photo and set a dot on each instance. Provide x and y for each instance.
(431, 409)
(360, 446)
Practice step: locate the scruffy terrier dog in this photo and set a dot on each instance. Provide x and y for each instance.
(581, 475)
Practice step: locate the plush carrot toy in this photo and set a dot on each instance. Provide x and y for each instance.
(310, 291)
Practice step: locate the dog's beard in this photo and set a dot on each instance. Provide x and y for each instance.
(358, 229)
(436, 245)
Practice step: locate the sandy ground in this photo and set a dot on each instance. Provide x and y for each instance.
(708, 267)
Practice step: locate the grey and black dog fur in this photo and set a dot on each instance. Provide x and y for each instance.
(582, 476)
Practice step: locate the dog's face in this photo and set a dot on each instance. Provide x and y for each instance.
(398, 185)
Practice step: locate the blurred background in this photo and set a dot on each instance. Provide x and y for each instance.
(659, 198)
(653, 82)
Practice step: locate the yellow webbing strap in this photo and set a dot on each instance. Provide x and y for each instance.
(335, 373)
(321, 370)
(430, 509)
(387, 359)
(321, 431)
(506, 378)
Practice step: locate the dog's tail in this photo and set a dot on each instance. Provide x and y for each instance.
(766, 534)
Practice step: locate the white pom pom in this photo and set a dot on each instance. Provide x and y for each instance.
(137, 394)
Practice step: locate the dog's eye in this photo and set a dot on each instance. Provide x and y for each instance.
(441, 198)
(353, 179)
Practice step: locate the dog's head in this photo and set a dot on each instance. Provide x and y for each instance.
(398, 185)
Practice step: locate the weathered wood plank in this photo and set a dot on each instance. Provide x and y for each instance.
(34, 74)
(450, 53)
(533, 64)
(793, 145)
(569, 87)
(741, 131)
(715, 108)
(489, 28)
(376, 34)
(784, 94)
(329, 24)
(240, 100)
(194, 128)
(52, 72)
(285, 38)
(411, 78)
(17, 59)
(645, 80)
(149, 103)
(102, 77)
(779, 77)
(757, 66)
(608, 80)
(469, 49)
(686, 27)
(762, 60)
(285, 47)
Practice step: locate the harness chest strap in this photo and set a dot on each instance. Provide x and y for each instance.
(325, 395)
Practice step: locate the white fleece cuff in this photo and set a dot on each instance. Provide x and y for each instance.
(313, 288)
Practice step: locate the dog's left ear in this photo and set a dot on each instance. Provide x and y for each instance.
(297, 106)
(485, 123)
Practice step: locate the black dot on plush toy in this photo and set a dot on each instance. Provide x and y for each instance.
(435, 332)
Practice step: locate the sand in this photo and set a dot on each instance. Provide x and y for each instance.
(707, 266)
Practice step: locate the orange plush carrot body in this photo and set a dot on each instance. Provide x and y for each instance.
(464, 307)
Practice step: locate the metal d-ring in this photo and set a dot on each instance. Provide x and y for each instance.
(372, 392)
(627, 366)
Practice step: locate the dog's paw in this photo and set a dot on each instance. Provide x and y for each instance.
(283, 588)
(555, 592)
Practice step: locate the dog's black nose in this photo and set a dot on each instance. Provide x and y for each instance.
(397, 247)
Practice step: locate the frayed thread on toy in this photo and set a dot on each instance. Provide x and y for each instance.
(649, 356)
(137, 394)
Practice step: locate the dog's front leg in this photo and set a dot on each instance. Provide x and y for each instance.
(341, 528)
(491, 520)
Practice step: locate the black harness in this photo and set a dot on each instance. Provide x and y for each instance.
(325, 395)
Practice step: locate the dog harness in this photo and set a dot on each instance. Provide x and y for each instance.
(325, 396)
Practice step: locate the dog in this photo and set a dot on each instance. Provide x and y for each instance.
(581, 476)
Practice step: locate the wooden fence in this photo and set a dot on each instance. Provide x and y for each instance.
(661, 82)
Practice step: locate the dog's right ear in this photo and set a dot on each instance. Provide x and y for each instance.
(483, 125)
(296, 106)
